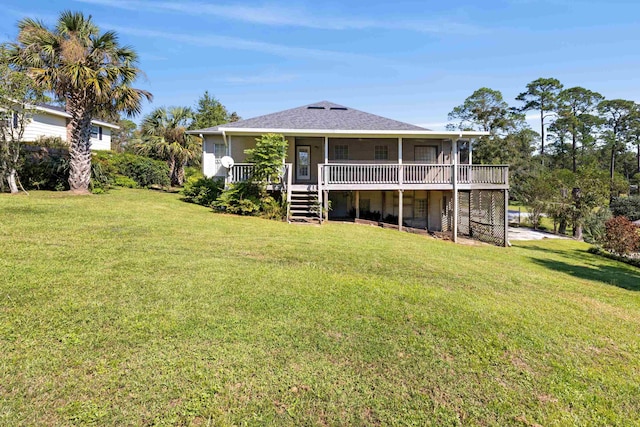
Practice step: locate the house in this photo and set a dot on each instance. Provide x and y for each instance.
(52, 121)
(342, 162)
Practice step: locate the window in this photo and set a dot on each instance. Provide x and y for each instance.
(219, 150)
(426, 154)
(96, 132)
(14, 121)
(341, 152)
(421, 208)
(381, 152)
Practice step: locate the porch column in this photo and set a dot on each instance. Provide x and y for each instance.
(400, 168)
(325, 212)
(357, 204)
(229, 177)
(454, 156)
(400, 210)
(326, 150)
(506, 218)
(470, 151)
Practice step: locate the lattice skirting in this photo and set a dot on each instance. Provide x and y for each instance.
(481, 215)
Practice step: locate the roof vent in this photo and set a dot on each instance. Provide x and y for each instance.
(315, 107)
(339, 108)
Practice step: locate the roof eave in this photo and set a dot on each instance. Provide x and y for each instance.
(67, 115)
(342, 132)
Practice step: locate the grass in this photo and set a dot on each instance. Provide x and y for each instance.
(134, 308)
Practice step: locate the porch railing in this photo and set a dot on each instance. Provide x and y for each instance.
(483, 174)
(411, 173)
(241, 172)
(389, 173)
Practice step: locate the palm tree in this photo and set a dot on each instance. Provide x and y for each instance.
(89, 71)
(163, 133)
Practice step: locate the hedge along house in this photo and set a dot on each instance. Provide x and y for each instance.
(360, 165)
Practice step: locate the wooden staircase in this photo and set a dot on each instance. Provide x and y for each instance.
(304, 206)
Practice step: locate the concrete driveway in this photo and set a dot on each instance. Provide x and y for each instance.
(521, 233)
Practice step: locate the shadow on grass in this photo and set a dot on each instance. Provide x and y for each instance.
(623, 277)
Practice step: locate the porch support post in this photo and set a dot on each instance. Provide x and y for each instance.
(400, 210)
(325, 211)
(470, 151)
(400, 167)
(506, 218)
(357, 204)
(454, 156)
(326, 150)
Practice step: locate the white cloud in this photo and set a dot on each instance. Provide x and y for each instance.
(291, 17)
(225, 42)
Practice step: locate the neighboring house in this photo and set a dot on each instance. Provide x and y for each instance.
(52, 121)
(347, 163)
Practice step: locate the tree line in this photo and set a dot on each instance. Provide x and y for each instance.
(581, 158)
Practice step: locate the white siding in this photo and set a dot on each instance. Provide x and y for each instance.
(43, 124)
(210, 164)
(104, 143)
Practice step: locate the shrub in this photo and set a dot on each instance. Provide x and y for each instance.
(51, 142)
(44, 169)
(242, 198)
(202, 191)
(146, 172)
(124, 181)
(273, 209)
(626, 206)
(621, 236)
(594, 226)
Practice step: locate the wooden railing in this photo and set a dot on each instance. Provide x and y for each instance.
(483, 174)
(241, 172)
(352, 173)
(426, 174)
(411, 173)
(388, 173)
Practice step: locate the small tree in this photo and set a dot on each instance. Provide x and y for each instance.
(622, 237)
(17, 99)
(268, 157)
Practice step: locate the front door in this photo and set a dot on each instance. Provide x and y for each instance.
(303, 162)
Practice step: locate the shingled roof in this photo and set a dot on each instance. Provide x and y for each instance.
(322, 115)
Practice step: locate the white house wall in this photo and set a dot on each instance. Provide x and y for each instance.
(45, 125)
(104, 143)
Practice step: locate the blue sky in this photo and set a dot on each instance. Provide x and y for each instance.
(408, 60)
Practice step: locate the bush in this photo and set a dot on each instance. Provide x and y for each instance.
(124, 181)
(50, 142)
(598, 251)
(146, 172)
(202, 191)
(242, 198)
(44, 169)
(621, 236)
(273, 209)
(594, 230)
(626, 206)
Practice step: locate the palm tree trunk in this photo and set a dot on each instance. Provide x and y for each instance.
(177, 174)
(79, 150)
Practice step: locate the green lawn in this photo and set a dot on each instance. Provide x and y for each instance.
(134, 308)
